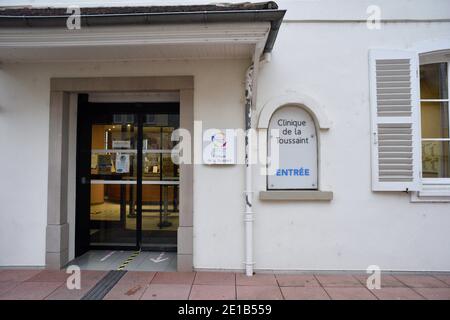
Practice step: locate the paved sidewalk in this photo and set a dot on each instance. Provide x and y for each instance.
(45, 284)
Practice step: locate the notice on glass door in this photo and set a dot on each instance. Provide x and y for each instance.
(104, 163)
(122, 163)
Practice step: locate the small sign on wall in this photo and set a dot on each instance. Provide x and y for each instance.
(219, 146)
(121, 144)
(295, 147)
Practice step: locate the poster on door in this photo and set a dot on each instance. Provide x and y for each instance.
(122, 163)
(104, 163)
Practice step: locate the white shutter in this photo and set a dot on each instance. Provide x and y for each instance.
(394, 100)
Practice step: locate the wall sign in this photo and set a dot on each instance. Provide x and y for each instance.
(121, 144)
(297, 145)
(219, 146)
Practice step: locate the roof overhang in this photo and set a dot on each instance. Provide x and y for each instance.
(180, 32)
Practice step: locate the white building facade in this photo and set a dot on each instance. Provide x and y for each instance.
(373, 79)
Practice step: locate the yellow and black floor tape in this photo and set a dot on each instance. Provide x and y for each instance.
(129, 259)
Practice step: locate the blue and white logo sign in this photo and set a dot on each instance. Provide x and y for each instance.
(296, 142)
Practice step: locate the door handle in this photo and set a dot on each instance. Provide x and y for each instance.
(84, 180)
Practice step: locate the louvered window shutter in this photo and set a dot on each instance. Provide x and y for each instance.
(394, 100)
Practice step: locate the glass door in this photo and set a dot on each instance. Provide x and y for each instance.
(160, 182)
(113, 180)
(127, 190)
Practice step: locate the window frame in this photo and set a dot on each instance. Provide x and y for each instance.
(435, 181)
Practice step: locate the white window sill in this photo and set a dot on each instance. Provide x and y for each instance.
(432, 193)
(296, 195)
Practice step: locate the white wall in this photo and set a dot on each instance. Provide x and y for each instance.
(327, 61)
(24, 119)
(24, 101)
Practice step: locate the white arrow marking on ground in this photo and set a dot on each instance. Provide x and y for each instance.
(159, 259)
(107, 256)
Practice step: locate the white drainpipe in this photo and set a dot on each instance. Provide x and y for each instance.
(248, 219)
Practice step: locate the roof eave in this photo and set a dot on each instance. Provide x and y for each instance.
(275, 18)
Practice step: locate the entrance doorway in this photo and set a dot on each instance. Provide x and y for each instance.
(127, 193)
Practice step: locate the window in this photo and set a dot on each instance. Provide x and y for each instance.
(410, 132)
(434, 99)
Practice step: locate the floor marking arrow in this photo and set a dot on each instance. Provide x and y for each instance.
(107, 256)
(159, 259)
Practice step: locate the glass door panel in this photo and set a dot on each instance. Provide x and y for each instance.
(160, 216)
(127, 189)
(113, 181)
